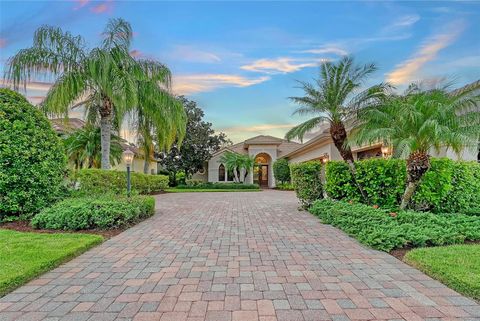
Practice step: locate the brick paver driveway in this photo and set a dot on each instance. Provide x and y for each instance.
(234, 256)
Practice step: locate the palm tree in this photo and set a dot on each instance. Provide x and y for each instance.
(83, 148)
(335, 98)
(106, 78)
(420, 121)
(236, 163)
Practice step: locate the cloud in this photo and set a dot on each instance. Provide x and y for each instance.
(188, 84)
(33, 85)
(136, 53)
(81, 4)
(3, 42)
(280, 65)
(408, 71)
(326, 50)
(404, 21)
(103, 7)
(257, 128)
(192, 54)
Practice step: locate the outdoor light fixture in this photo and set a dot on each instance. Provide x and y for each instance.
(385, 150)
(128, 160)
(324, 158)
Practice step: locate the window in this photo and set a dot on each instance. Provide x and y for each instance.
(221, 173)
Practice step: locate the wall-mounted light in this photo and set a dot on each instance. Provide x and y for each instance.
(386, 151)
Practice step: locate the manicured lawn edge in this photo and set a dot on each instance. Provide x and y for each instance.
(9, 285)
(197, 190)
(456, 266)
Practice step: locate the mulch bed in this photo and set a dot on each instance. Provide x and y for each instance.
(24, 226)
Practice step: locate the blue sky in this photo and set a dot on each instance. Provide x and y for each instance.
(240, 60)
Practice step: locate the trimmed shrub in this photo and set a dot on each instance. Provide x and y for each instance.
(285, 187)
(382, 180)
(448, 186)
(32, 159)
(98, 181)
(209, 185)
(281, 171)
(105, 212)
(306, 180)
(386, 231)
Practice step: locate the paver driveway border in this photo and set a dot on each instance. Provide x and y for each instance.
(230, 257)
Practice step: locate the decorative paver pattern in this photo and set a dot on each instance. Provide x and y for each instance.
(234, 257)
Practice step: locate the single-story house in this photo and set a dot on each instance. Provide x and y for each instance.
(65, 127)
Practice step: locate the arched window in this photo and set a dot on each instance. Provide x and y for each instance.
(221, 173)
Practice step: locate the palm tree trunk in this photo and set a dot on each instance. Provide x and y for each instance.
(146, 165)
(339, 137)
(106, 131)
(418, 164)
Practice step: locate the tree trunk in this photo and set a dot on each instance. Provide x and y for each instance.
(339, 137)
(146, 165)
(418, 164)
(106, 131)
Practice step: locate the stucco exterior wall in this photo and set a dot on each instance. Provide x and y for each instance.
(137, 166)
(213, 165)
(317, 152)
(271, 150)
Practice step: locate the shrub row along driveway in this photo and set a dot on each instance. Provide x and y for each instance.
(234, 256)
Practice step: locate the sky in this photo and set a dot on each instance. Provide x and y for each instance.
(241, 61)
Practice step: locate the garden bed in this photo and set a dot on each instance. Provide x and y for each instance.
(204, 190)
(24, 255)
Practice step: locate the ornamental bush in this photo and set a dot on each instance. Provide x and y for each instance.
(281, 171)
(100, 212)
(99, 181)
(307, 182)
(448, 186)
(32, 159)
(386, 231)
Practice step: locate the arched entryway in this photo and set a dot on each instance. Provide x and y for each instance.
(261, 170)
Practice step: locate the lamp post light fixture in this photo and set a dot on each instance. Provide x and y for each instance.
(128, 156)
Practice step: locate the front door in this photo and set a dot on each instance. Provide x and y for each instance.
(263, 175)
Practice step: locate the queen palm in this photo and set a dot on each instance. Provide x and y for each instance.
(106, 78)
(335, 98)
(236, 163)
(421, 121)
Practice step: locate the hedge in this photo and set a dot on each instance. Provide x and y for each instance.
(98, 181)
(386, 231)
(100, 212)
(281, 171)
(449, 186)
(192, 184)
(306, 180)
(32, 159)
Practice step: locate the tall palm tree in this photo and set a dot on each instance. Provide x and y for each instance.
(84, 146)
(335, 98)
(105, 77)
(419, 121)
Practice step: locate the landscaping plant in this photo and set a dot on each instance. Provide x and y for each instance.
(419, 121)
(384, 230)
(335, 98)
(307, 182)
(239, 165)
(281, 171)
(100, 212)
(106, 80)
(32, 159)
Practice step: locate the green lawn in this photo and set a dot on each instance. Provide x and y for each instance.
(24, 256)
(203, 190)
(457, 266)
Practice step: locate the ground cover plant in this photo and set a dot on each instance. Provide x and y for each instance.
(100, 212)
(23, 256)
(384, 230)
(457, 266)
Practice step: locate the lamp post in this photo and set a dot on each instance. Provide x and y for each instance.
(128, 160)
